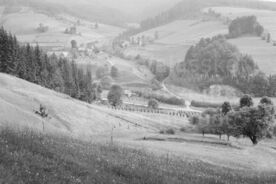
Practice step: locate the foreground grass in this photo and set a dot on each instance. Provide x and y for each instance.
(31, 158)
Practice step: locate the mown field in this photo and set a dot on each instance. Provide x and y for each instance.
(28, 157)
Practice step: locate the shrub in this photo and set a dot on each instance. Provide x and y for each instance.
(266, 100)
(183, 129)
(153, 104)
(170, 131)
(246, 101)
(225, 108)
(194, 120)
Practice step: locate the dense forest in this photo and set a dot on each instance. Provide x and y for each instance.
(31, 64)
(215, 61)
(245, 25)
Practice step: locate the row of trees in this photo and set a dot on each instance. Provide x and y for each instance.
(32, 64)
(255, 123)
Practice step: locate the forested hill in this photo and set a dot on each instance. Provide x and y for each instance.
(189, 9)
(32, 64)
(215, 61)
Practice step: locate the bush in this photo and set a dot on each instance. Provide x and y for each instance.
(194, 120)
(153, 104)
(246, 101)
(266, 100)
(170, 131)
(225, 108)
(183, 129)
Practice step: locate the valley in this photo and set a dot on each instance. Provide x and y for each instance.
(86, 97)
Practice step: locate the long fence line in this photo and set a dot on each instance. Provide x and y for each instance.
(142, 109)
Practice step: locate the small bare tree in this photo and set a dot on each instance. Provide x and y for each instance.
(42, 112)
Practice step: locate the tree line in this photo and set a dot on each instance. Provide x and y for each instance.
(32, 64)
(246, 120)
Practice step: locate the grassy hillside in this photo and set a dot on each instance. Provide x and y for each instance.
(57, 23)
(27, 157)
(265, 17)
(91, 10)
(175, 39)
(20, 99)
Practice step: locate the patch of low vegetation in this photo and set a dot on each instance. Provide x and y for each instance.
(28, 157)
(153, 104)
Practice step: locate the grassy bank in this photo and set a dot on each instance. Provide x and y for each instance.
(27, 157)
